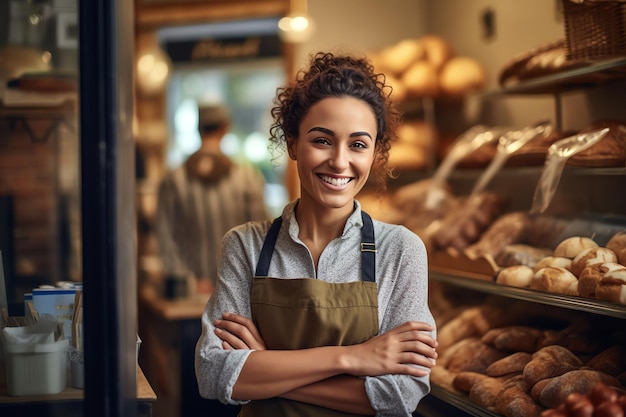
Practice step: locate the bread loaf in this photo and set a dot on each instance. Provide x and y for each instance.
(476, 358)
(513, 363)
(464, 381)
(514, 338)
(507, 229)
(610, 151)
(514, 400)
(521, 254)
(581, 381)
(485, 392)
(611, 361)
(549, 362)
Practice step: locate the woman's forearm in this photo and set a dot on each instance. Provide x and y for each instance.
(342, 393)
(272, 373)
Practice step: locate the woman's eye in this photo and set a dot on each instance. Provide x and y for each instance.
(359, 145)
(321, 141)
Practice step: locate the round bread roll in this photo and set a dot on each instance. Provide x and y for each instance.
(461, 75)
(572, 246)
(516, 276)
(437, 50)
(617, 244)
(556, 261)
(420, 80)
(399, 57)
(588, 280)
(612, 286)
(591, 256)
(553, 279)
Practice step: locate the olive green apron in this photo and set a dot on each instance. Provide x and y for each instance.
(300, 313)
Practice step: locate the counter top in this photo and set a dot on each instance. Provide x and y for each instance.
(179, 309)
(144, 392)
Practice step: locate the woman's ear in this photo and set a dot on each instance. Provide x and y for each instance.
(291, 148)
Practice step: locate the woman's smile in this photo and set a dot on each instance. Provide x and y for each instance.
(335, 181)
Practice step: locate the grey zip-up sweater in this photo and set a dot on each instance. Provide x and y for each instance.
(401, 275)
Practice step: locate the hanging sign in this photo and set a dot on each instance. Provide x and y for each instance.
(224, 49)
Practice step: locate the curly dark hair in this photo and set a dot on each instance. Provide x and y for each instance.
(330, 75)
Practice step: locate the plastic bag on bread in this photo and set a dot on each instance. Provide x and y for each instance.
(558, 155)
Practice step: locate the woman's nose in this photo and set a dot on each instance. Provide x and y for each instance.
(339, 159)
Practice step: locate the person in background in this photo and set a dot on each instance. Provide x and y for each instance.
(201, 200)
(324, 311)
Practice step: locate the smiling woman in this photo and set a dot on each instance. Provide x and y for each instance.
(323, 311)
(334, 153)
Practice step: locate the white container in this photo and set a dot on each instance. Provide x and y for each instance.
(35, 369)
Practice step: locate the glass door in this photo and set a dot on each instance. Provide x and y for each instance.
(67, 207)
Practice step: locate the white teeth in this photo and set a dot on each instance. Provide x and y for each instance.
(335, 181)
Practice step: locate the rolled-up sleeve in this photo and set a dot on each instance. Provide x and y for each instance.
(217, 369)
(403, 296)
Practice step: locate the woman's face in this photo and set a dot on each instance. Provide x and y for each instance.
(334, 151)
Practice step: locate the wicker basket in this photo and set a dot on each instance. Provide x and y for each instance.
(595, 29)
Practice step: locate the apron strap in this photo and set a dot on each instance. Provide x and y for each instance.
(263, 266)
(368, 249)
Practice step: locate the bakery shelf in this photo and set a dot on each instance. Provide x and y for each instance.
(598, 307)
(576, 78)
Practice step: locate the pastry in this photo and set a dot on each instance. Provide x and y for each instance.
(617, 244)
(572, 246)
(588, 280)
(516, 276)
(591, 276)
(591, 256)
(612, 286)
(555, 261)
(553, 279)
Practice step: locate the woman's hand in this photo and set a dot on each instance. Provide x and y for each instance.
(396, 352)
(238, 332)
